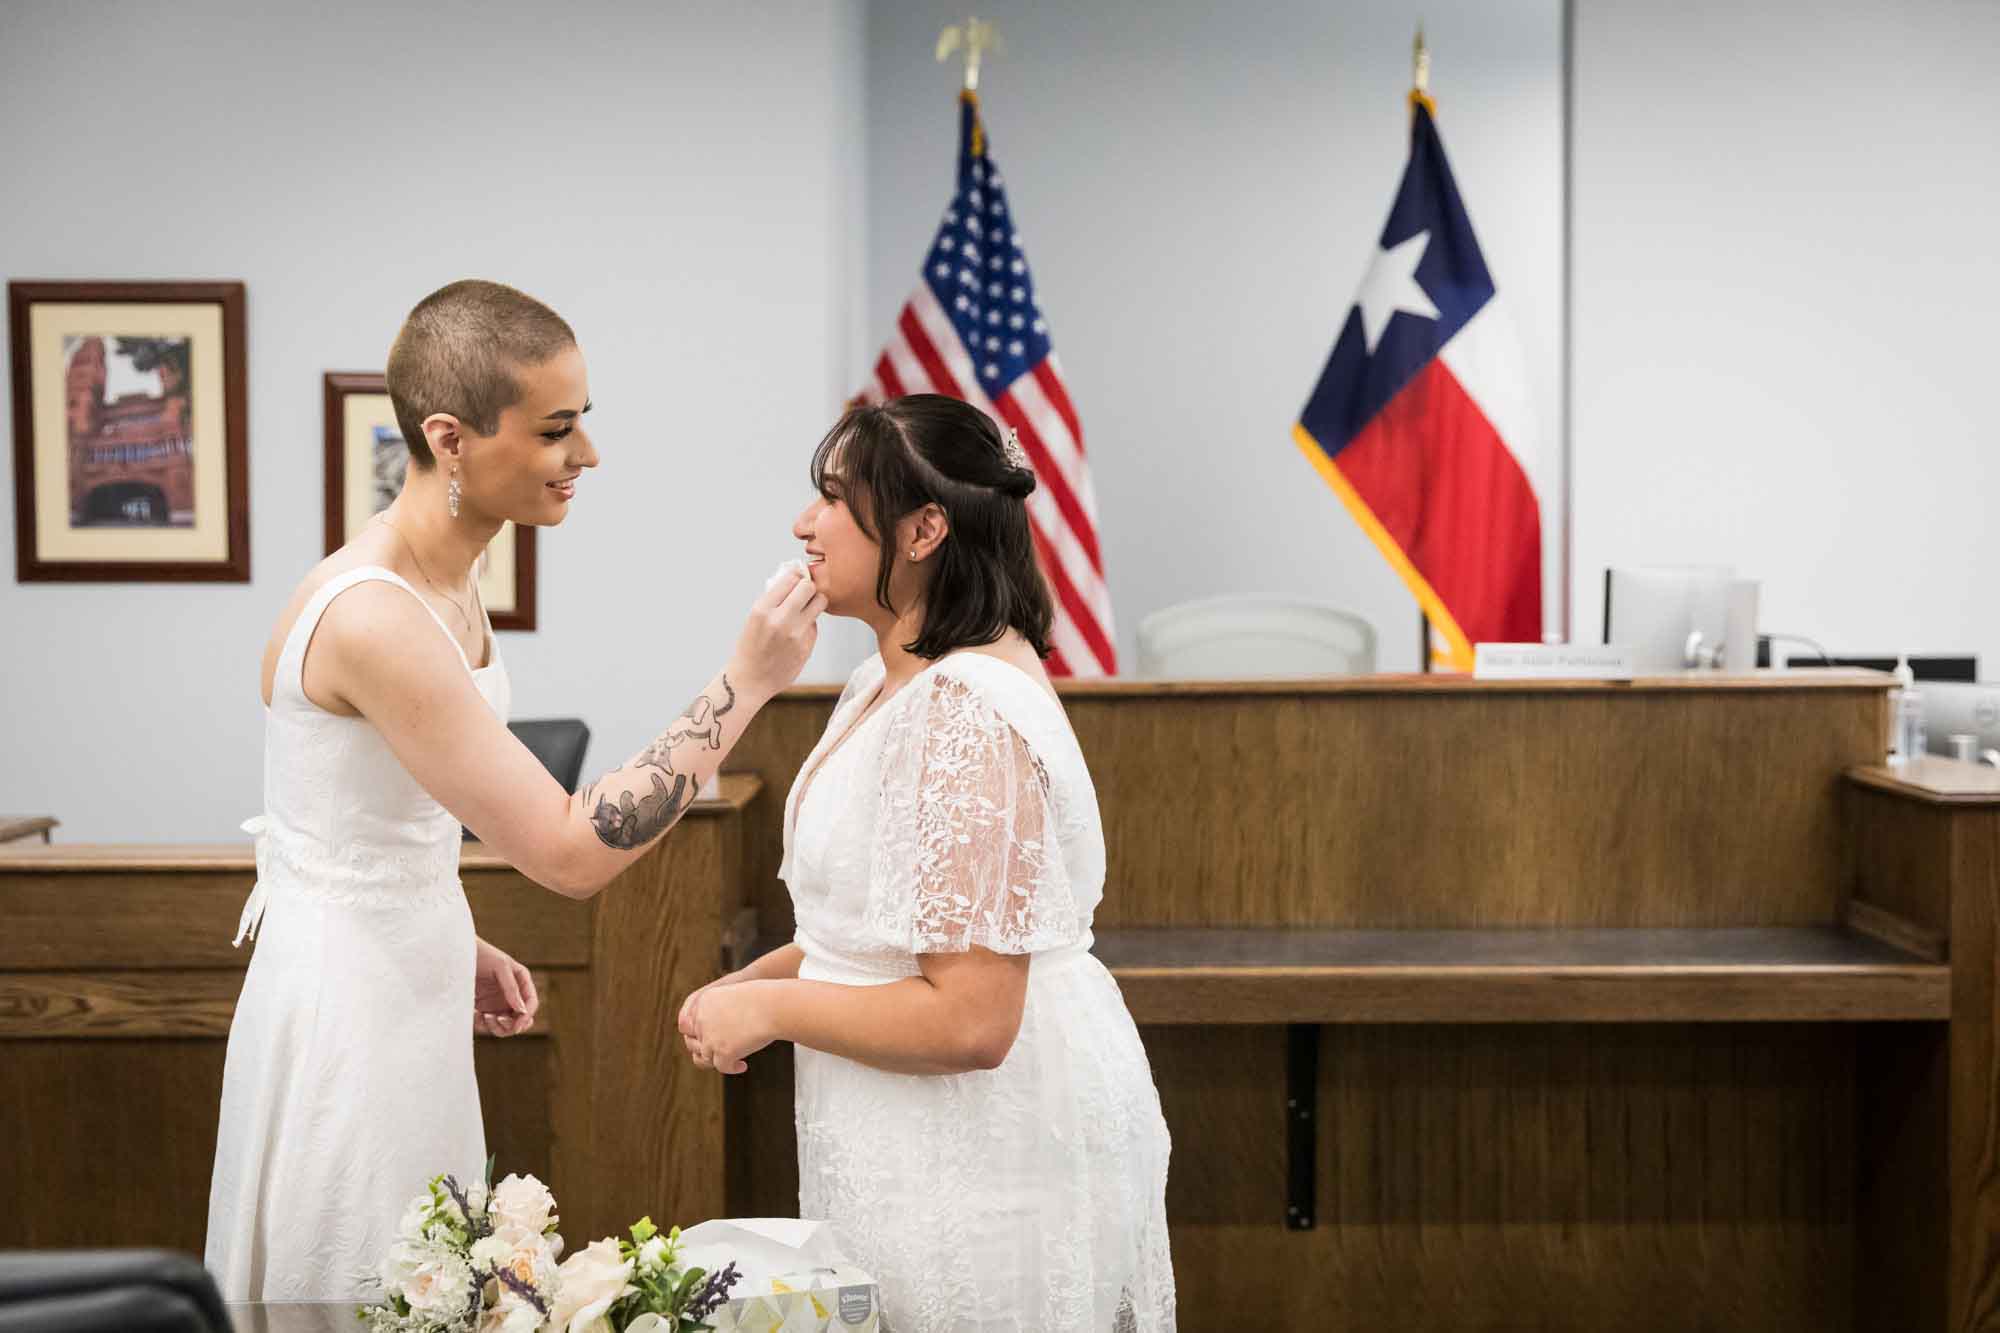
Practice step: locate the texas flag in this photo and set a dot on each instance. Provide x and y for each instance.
(1420, 420)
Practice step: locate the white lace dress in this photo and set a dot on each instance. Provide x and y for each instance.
(349, 1078)
(1031, 1196)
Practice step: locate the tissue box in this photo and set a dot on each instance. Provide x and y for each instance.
(821, 1300)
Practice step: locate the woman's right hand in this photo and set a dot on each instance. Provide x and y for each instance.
(687, 1005)
(778, 637)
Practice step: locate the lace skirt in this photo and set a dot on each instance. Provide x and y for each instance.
(1025, 1199)
(348, 1085)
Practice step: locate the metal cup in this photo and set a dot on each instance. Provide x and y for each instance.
(1965, 748)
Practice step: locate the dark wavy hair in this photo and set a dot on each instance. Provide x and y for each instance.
(892, 460)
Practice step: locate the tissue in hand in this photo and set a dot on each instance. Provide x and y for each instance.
(794, 1277)
(790, 571)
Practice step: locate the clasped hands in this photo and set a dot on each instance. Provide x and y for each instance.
(726, 1022)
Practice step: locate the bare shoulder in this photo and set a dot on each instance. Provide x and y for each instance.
(366, 604)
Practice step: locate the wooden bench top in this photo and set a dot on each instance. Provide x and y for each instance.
(13, 827)
(1305, 975)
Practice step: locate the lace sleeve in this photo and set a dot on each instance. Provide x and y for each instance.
(966, 851)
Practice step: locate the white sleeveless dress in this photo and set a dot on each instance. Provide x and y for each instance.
(349, 1079)
(1030, 1198)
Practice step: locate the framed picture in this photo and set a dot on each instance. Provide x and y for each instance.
(365, 461)
(131, 461)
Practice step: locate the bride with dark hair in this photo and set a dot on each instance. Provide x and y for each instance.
(976, 1115)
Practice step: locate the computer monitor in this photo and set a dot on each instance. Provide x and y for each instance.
(1962, 667)
(1652, 612)
(1953, 708)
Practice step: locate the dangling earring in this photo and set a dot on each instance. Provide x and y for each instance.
(452, 492)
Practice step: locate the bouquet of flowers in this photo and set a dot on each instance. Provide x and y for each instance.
(638, 1286)
(482, 1259)
(471, 1259)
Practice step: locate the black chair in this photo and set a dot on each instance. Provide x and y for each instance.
(107, 1291)
(559, 742)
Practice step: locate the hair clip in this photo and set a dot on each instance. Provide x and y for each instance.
(1015, 453)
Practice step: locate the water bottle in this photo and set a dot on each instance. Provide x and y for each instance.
(1911, 738)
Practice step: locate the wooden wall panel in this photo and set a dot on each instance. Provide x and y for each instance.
(1402, 806)
(1545, 1177)
(1975, 1070)
(118, 982)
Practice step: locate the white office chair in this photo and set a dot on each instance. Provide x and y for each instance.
(1237, 637)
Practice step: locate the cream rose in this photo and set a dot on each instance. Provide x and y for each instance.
(528, 1255)
(593, 1279)
(522, 1201)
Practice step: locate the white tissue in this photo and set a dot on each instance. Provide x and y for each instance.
(792, 570)
(761, 1248)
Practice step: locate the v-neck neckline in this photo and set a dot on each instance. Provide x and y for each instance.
(874, 708)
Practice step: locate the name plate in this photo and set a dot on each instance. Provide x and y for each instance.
(1551, 661)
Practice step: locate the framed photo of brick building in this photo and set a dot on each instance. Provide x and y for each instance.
(365, 462)
(131, 454)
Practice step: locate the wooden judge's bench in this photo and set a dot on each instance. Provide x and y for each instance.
(1471, 1006)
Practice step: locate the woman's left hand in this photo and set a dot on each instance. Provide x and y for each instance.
(725, 1025)
(503, 995)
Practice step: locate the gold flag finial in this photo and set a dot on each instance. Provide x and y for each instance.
(1420, 62)
(975, 38)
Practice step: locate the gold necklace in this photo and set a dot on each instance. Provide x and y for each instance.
(463, 614)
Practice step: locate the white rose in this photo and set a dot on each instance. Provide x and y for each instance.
(511, 1315)
(414, 1216)
(409, 1260)
(440, 1285)
(490, 1252)
(592, 1280)
(522, 1201)
(398, 1264)
(523, 1318)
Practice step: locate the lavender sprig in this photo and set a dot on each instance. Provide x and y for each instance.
(477, 1228)
(525, 1290)
(714, 1291)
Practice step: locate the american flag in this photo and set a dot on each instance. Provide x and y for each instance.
(972, 330)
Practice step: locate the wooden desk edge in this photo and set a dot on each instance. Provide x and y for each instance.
(1440, 683)
(738, 791)
(1933, 780)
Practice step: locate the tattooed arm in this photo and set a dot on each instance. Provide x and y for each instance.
(632, 806)
(377, 651)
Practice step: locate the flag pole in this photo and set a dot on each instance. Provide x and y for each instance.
(1420, 86)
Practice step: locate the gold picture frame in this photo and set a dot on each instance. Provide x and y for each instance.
(131, 453)
(365, 458)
